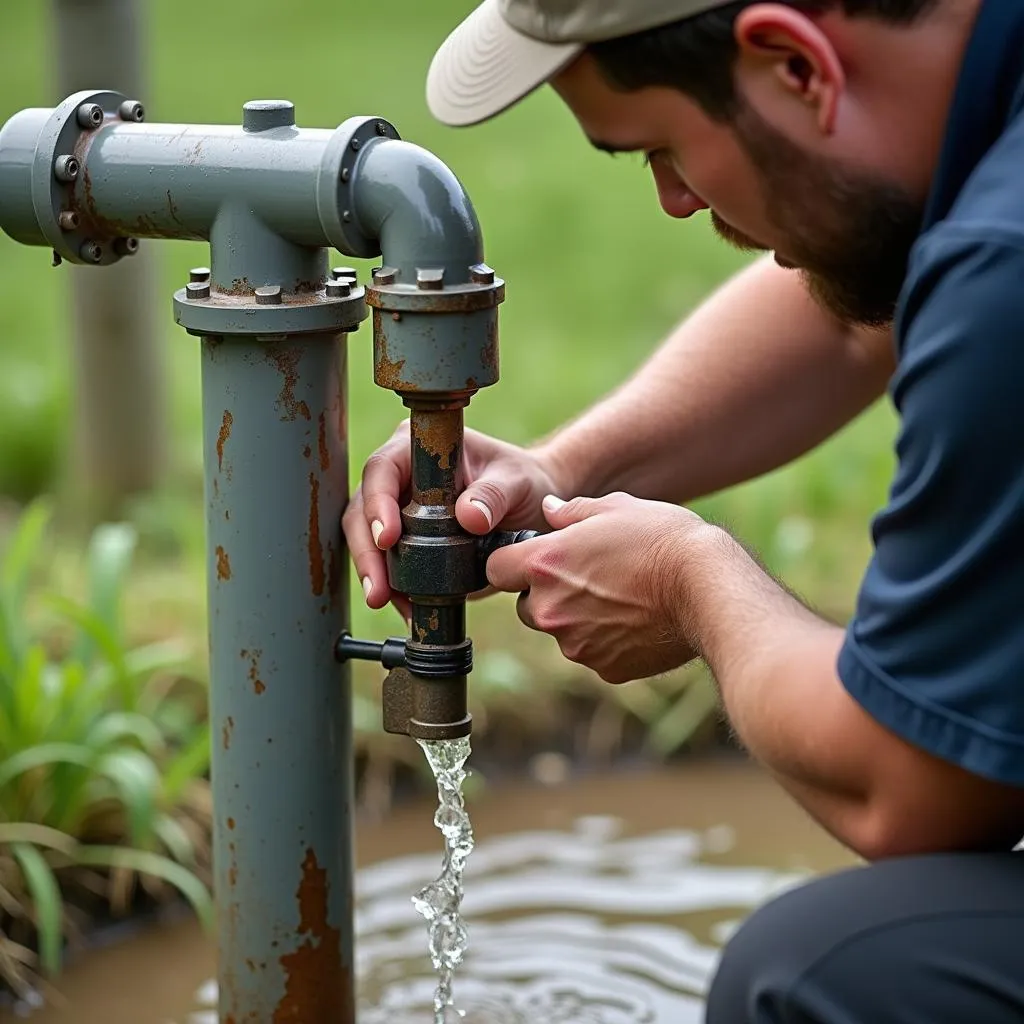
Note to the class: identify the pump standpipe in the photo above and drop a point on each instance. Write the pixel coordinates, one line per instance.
(88, 179)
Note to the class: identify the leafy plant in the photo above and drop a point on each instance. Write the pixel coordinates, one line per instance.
(102, 761)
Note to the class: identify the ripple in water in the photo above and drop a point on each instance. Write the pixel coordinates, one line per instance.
(577, 926)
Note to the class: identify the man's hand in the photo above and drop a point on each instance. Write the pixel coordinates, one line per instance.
(609, 583)
(504, 487)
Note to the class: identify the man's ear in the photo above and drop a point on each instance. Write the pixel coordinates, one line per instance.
(790, 46)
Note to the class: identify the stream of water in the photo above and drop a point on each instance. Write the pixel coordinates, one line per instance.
(598, 900)
(440, 902)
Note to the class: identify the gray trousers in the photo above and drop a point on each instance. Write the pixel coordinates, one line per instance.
(917, 940)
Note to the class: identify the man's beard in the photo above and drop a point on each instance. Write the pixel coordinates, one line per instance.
(849, 233)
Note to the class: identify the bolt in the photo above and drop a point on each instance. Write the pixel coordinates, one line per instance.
(382, 128)
(90, 115)
(91, 252)
(132, 110)
(384, 275)
(481, 274)
(347, 216)
(269, 296)
(340, 289)
(68, 220)
(430, 280)
(198, 289)
(126, 246)
(344, 174)
(66, 168)
(199, 274)
(339, 272)
(356, 144)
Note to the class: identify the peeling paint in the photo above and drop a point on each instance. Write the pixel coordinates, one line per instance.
(229, 725)
(287, 362)
(316, 551)
(325, 455)
(223, 564)
(254, 671)
(318, 986)
(222, 437)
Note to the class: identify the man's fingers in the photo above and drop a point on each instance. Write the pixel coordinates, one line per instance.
(506, 568)
(367, 558)
(486, 501)
(385, 476)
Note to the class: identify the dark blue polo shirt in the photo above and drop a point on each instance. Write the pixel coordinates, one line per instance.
(935, 651)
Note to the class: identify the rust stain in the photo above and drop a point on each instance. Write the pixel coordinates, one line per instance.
(489, 354)
(173, 210)
(434, 621)
(333, 570)
(229, 725)
(287, 362)
(254, 671)
(421, 633)
(307, 451)
(438, 433)
(317, 984)
(316, 551)
(432, 496)
(325, 455)
(233, 868)
(222, 437)
(231, 824)
(223, 564)
(386, 372)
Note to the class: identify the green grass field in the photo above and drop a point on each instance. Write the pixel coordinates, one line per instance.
(596, 275)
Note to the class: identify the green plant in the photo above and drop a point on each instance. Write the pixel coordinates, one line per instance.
(102, 757)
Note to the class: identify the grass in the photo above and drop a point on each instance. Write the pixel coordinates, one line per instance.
(596, 276)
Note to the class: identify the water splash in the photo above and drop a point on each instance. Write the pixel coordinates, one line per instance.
(440, 902)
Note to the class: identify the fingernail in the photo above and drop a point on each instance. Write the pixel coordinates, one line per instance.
(552, 503)
(483, 508)
(376, 528)
(367, 587)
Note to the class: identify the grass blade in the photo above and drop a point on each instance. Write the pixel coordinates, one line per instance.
(137, 781)
(46, 899)
(156, 865)
(191, 762)
(175, 838)
(45, 754)
(110, 553)
(122, 725)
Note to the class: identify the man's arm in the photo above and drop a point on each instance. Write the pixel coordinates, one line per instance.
(775, 664)
(756, 377)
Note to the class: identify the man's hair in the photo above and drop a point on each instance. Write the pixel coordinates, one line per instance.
(696, 55)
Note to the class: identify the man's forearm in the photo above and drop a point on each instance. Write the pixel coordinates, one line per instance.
(754, 378)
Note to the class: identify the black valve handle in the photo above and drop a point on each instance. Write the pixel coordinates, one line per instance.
(391, 653)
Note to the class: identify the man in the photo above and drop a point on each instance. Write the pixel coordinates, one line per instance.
(876, 149)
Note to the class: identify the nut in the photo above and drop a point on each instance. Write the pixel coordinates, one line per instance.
(197, 274)
(126, 246)
(481, 274)
(344, 272)
(269, 296)
(91, 252)
(198, 290)
(340, 289)
(430, 280)
(384, 276)
(131, 110)
(68, 220)
(66, 168)
(89, 115)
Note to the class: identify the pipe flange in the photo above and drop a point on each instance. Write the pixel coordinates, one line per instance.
(60, 183)
(266, 312)
(335, 180)
(460, 298)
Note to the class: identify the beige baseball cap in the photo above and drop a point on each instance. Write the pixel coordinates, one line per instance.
(507, 48)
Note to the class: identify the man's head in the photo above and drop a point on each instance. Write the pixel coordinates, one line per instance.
(809, 127)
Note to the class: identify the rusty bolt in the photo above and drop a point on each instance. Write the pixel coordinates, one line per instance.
(382, 128)
(68, 220)
(340, 289)
(199, 274)
(91, 252)
(481, 274)
(66, 168)
(356, 144)
(198, 289)
(126, 246)
(90, 115)
(430, 280)
(384, 275)
(339, 272)
(132, 110)
(269, 296)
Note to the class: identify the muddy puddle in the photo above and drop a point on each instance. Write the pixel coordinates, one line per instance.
(603, 900)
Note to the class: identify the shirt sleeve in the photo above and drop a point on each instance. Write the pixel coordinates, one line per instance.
(935, 651)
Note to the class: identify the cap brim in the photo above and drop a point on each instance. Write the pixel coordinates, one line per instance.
(485, 66)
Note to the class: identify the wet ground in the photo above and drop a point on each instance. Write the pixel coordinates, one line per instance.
(603, 900)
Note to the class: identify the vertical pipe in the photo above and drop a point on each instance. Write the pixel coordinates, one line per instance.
(276, 480)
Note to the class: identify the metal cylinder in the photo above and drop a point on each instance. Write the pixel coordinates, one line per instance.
(276, 482)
